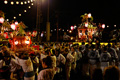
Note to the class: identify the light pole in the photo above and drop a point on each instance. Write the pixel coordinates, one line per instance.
(38, 18)
(48, 25)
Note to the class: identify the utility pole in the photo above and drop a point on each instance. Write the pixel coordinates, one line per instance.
(48, 26)
(57, 26)
(38, 18)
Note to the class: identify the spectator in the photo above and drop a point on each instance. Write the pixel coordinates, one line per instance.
(48, 72)
(97, 74)
(111, 73)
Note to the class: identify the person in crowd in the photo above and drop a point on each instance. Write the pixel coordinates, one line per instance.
(25, 62)
(48, 72)
(93, 58)
(105, 58)
(60, 59)
(79, 57)
(35, 62)
(2, 62)
(111, 73)
(113, 53)
(97, 74)
(69, 60)
(84, 61)
(83, 46)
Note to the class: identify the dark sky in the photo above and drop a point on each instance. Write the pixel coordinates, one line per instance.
(68, 11)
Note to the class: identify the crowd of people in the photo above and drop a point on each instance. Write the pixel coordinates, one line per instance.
(61, 61)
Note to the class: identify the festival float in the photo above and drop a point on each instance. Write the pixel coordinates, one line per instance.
(15, 34)
(4, 27)
(87, 28)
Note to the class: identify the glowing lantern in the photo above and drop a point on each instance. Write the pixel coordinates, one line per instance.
(29, 7)
(28, 1)
(27, 42)
(5, 2)
(1, 19)
(25, 11)
(103, 26)
(75, 27)
(7, 19)
(19, 14)
(12, 2)
(32, 4)
(70, 31)
(34, 33)
(86, 24)
(25, 2)
(13, 26)
(17, 2)
(21, 3)
(16, 23)
(72, 28)
(16, 42)
(89, 15)
(42, 34)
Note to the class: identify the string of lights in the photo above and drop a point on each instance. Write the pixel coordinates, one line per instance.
(24, 11)
(19, 2)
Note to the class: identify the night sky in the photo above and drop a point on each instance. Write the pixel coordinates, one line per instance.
(68, 12)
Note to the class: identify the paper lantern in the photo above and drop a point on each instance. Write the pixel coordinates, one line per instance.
(34, 33)
(13, 26)
(1, 19)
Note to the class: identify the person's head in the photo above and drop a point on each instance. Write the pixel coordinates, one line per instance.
(4, 48)
(32, 55)
(47, 62)
(80, 48)
(57, 52)
(105, 48)
(83, 43)
(93, 46)
(47, 52)
(72, 49)
(109, 45)
(97, 74)
(24, 55)
(111, 73)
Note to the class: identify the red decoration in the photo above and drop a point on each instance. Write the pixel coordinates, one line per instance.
(6, 35)
(36, 47)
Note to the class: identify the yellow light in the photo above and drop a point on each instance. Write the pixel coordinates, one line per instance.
(19, 14)
(32, 4)
(21, 3)
(5, 2)
(25, 11)
(12, 2)
(70, 31)
(17, 2)
(28, 1)
(71, 38)
(29, 6)
(31, 0)
(14, 17)
(25, 2)
(7, 19)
